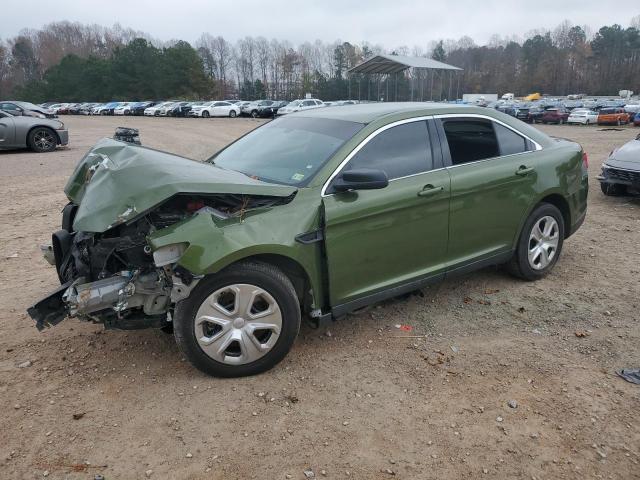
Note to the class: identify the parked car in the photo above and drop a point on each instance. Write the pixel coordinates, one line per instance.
(555, 115)
(253, 109)
(299, 105)
(154, 110)
(583, 117)
(317, 213)
(18, 130)
(613, 116)
(26, 108)
(215, 109)
(636, 120)
(124, 108)
(138, 108)
(178, 109)
(262, 108)
(166, 108)
(106, 109)
(621, 171)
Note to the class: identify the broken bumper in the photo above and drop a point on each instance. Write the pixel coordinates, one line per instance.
(51, 310)
(620, 176)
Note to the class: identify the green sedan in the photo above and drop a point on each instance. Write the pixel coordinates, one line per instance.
(315, 214)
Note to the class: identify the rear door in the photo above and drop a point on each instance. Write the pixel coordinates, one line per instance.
(7, 130)
(492, 172)
(378, 239)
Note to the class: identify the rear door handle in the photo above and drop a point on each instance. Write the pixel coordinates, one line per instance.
(429, 190)
(522, 171)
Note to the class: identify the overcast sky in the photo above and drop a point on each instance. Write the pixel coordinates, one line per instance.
(390, 23)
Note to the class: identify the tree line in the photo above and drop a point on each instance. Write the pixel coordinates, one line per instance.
(67, 61)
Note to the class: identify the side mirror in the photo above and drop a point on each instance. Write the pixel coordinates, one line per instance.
(360, 179)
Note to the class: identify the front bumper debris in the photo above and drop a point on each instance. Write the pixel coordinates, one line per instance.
(51, 310)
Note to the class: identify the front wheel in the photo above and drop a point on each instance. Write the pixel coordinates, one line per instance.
(42, 140)
(240, 321)
(233, 114)
(540, 243)
(205, 114)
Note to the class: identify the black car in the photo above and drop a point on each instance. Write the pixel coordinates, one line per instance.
(267, 108)
(522, 113)
(180, 109)
(138, 108)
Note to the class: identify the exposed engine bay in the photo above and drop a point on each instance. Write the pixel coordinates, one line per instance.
(116, 279)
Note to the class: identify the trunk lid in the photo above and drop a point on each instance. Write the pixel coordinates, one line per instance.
(115, 182)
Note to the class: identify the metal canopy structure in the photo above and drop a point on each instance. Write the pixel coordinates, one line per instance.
(386, 64)
(385, 68)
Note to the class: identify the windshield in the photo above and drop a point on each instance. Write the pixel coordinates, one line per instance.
(295, 103)
(287, 150)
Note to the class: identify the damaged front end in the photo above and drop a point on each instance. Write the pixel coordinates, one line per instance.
(109, 271)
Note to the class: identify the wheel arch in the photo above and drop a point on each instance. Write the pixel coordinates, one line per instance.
(557, 200)
(31, 129)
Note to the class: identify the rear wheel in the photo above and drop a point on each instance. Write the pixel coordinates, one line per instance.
(540, 243)
(42, 139)
(254, 113)
(241, 321)
(613, 189)
(233, 114)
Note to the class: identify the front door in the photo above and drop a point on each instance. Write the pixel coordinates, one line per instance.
(493, 174)
(379, 239)
(7, 130)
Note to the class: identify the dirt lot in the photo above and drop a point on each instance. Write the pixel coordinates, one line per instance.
(358, 401)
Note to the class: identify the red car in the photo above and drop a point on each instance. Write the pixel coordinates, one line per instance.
(555, 115)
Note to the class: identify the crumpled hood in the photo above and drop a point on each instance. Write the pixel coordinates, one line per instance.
(116, 182)
(626, 157)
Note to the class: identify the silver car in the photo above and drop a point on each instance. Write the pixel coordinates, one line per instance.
(38, 134)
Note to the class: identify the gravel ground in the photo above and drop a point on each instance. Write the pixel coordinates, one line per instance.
(361, 400)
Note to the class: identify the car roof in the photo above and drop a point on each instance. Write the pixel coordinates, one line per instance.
(368, 112)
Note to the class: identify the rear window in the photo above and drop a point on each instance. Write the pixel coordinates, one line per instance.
(608, 111)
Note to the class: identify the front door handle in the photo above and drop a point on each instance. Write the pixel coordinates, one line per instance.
(522, 171)
(430, 190)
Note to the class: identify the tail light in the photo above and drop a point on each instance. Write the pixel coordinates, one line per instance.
(585, 160)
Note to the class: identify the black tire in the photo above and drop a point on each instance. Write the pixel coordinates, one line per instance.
(233, 114)
(265, 276)
(205, 114)
(254, 114)
(42, 139)
(613, 189)
(519, 265)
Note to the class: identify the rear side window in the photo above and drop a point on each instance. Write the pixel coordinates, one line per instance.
(510, 142)
(398, 151)
(470, 140)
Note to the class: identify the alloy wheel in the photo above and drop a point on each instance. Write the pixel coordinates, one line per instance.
(238, 324)
(43, 139)
(543, 242)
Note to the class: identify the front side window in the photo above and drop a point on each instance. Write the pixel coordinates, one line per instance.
(287, 150)
(398, 151)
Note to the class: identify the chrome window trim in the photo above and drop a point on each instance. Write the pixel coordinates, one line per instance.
(420, 119)
(367, 140)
